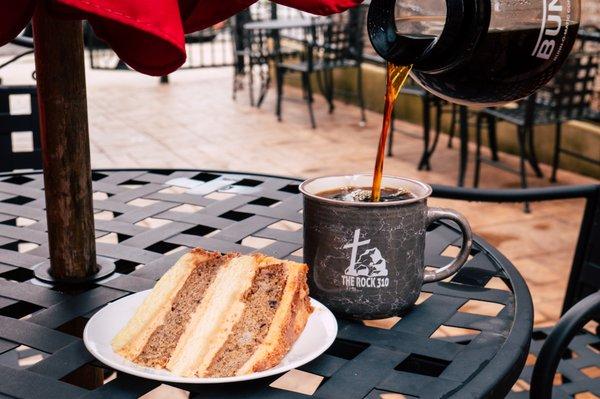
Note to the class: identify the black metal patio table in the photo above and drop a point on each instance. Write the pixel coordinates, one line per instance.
(146, 219)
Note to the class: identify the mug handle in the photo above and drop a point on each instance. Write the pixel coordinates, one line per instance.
(434, 214)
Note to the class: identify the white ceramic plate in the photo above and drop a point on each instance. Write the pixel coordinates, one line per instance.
(318, 335)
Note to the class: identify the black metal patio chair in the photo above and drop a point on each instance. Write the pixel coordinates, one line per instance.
(578, 348)
(20, 146)
(567, 97)
(255, 50)
(567, 348)
(327, 47)
(441, 107)
(588, 40)
(250, 50)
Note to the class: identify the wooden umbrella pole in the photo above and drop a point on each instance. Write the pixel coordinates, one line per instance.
(60, 76)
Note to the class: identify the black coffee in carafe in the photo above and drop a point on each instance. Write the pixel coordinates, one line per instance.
(476, 52)
(502, 69)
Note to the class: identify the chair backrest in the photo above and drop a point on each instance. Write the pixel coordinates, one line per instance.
(259, 47)
(571, 91)
(252, 43)
(585, 271)
(588, 39)
(237, 35)
(20, 146)
(343, 38)
(569, 348)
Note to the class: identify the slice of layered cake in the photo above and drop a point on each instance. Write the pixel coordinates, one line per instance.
(216, 315)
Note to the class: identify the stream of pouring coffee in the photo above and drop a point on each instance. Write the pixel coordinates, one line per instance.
(396, 76)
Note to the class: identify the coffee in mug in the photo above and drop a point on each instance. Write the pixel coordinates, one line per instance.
(364, 194)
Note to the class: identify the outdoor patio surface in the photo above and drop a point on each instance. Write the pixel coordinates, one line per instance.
(193, 122)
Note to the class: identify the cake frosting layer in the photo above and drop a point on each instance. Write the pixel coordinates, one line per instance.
(219, 315)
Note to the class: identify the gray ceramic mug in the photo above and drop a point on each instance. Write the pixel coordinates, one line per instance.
(366, 259)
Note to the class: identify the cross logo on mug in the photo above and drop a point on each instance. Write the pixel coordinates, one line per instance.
(367, 270)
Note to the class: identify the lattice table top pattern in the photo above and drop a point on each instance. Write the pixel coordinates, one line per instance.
(145, 220)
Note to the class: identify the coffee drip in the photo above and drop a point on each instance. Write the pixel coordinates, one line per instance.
(395, 79)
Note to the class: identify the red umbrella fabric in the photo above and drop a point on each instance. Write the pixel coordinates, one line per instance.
(147, 34)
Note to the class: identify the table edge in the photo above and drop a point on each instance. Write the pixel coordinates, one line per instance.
(520, 332)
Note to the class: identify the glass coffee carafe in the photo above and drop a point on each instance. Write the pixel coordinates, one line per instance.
(476, 52)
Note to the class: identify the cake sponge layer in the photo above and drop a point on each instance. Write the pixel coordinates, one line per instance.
(261, 303)
(288, 322)
(130, 341)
